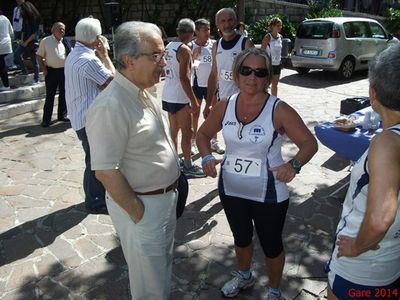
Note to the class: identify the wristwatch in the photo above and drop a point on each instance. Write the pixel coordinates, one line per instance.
(296, 165)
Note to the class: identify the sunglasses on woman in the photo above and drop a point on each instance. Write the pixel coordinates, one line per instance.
(259, 72)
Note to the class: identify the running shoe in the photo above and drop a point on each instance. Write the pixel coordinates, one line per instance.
(237, 284)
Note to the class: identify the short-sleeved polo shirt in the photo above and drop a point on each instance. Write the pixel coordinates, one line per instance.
(53, 51)
(127, 129)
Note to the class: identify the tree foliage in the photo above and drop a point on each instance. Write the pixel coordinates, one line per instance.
(392, 21)
(258, 30)
(323, 9)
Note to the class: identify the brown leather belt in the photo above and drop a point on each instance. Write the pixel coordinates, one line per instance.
(160, 191)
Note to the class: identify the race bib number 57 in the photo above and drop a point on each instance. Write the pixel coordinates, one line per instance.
(245, 166)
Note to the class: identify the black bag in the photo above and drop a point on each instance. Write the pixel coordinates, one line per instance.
(350, 105)
(183, 191)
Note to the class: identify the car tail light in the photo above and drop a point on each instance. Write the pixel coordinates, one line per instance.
(335, 32)
(332, 54)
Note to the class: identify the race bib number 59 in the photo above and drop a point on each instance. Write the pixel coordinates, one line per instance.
(245, 166)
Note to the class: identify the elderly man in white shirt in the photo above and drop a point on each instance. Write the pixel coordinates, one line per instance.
(135, 158)
(51, 55)
(88, 70)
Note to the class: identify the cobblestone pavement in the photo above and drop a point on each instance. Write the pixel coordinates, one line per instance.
(51, 249)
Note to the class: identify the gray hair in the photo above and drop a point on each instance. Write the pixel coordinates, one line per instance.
(225, 10)
(201, 22)
(383, 71)
(240, 58)
(185, 25)
(87, 30)
(130, 37)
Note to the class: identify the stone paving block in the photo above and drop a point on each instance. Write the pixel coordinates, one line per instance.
(94, 227)
(21, 201)
(116, 257)
(49, 289)
(75, 232)
(21, 246)
(90, 275)
(118, 289)
(105, 241)
(53, 192)
(66, 220)
(191, 269)
(6, 209)
(31, 214)
(28, 291)
(21, 274)
(87, 248)
(48, 265)
(65, 253)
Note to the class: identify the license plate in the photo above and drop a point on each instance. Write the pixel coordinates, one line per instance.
(310, 52)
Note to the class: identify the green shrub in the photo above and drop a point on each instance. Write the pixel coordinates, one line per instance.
(323, 9)
(392, 20)
(258, 30)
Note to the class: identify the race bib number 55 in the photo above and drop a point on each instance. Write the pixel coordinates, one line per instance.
(226, 75)
(245, 166)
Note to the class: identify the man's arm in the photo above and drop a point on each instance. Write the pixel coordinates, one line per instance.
(383, 191)
(212, 82)
(102, 54)
(184, 57)
(42, 64)
(118, 187)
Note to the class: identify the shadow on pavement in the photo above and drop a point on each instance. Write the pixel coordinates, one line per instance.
(317, 79)
(19, 242)
(36, 130)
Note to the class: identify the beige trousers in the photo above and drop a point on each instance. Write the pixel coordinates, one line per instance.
(148, 244)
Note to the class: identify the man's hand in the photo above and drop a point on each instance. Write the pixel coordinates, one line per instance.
(138, 212)
(101, 47)
(206, 111)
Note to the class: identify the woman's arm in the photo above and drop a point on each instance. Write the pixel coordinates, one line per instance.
(287, 121)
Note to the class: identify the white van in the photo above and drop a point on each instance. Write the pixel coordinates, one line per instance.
(338, 44)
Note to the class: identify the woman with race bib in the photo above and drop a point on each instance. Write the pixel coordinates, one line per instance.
(253, 177)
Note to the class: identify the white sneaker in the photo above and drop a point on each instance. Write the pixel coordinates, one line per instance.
(4, 88)
(194, 149)
(272, 296)
(237, 284)
(216, 148)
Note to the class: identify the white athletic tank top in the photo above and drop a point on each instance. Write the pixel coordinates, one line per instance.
(173, 91)
(224, 60)
(274, 49)
(374, 267)
(204, 69)
(251, 150)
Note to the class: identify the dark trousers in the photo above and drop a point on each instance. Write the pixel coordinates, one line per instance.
(54, 80)
(3, 70)
(94, 190)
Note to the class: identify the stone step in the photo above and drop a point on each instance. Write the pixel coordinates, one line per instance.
(23, 93)
(17, 80)
(18, 107)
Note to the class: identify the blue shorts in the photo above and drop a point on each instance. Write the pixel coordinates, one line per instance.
(172, 108)
(344, 289)
(199, 91)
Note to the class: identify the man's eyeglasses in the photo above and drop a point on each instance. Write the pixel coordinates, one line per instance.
(259, 72)
(156, 56)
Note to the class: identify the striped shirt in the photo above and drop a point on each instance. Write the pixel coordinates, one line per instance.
(84, 73)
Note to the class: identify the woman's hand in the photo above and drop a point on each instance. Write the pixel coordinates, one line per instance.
(210, 167)
(284, 172)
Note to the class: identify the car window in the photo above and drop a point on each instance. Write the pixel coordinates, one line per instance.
(315, 30)
(356, 30)
(377, 31)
